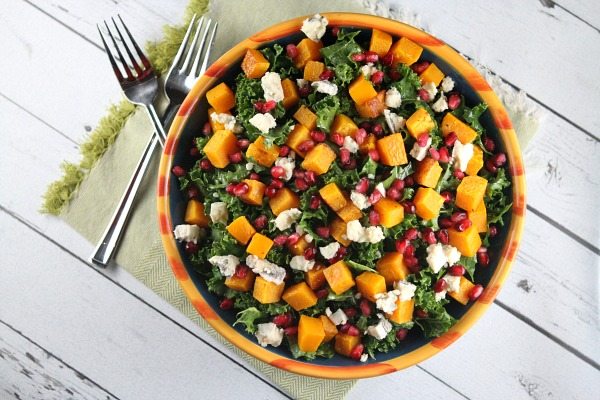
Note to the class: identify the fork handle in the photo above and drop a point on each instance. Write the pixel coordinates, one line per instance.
(158, 125)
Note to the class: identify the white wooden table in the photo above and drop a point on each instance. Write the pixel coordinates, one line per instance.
(70, 331)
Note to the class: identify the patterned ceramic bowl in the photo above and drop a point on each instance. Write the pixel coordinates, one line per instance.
(171, 202)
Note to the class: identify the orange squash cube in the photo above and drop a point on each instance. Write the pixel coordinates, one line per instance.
(337, 228)
(476, 162)
(267, 292)
(403, 312)
(344, 344)
(312, 70)
(329, 328)
(307, 51)
(254, 64)
(467, 242)
(479, 217)
(369, 144)
(391, 150)
(215, 125)
(299, 134)
(300, 296)
(369, 284)
(392, 267)
(464, 132)
(419, 122)
(428, 203)
(261, 153)
(298, 247)
(406, 51)
(470, 192)
(319, 159)
(391, 213)
(241, 229)
(333, 196)
(339, 277)
(373, 107)
(428, 172)
(361, 90)
(343, 125)
(194, 214)
(219, 147)
(310, 333)
(241, 284)
(290, 93)
(462, 295)
(380, 42)
(221, 98)
(306, 117)
(259, 245)
(432, 74)
(254, 196)
(349, 212)
(315, 278)
(283, 200)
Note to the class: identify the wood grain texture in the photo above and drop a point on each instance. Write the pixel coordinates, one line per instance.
(587, 11)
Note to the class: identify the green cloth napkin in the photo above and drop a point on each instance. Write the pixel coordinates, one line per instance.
(140, 252)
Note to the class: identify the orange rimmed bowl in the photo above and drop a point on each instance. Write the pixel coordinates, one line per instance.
(171, 202)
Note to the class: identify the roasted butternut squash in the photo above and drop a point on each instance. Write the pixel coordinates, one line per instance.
(392, 267)
(283, 200)
(339, 277)
(241, 284)
(315, 279)
(299, 134)
(470, 192)
(241, 229)
(476, 162)
(432, 74)
(254, 64)
(300, 296)
(467, 242)
(333, 196)
(219, 147)
(307, 51)
(319, 159)
(290, 93)
(306, 117)
(261, 153)
(215, 125)
(361, 90)
(428, 203)
(420, 122)
(221, 98)
(349, 212)
(369, 144)
(312, 70)
(403, 312)
(462, 296)
(479, 217)
(391, 213)
(373, 107)
(267, 292)
(391, 150)
(369, 284)
(344, 344)
(194, 214)
(380, 42)
(406, 51)
(428, 172)
(310, 333)
(254, 196)
(259, 245)
(464, 132)
(337, 230)
(329, 328)
(298, 247)
(343, 125)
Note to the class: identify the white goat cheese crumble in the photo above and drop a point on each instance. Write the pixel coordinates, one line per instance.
(218, 212)
(406, 289)
(269, 333)
(420, 152)
(380, 330)
(359, 200)
(263, 122)
(393, 121)
(447, 84)
(462, 154)
(187, 233)
(329, 251)
(229, 122)
(325, 87)
(350, 144)
(299, 263)
(439, 255)
(393, 98)
(287, 218)
(271, 84)
(314, 27)
(386, 301)
(337, 318)
(440, 105)
(269, 271)
(431, 90)
(357, 233)
(226, 264)
(288, 164)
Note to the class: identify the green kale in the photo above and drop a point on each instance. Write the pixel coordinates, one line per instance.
(359, 267)
(325, 350)
(448, 181)
(438, 321)
(247, 92)
(279, 134)
(340, 52)
(366, 253)
(279, 61)
(374, 346)
(396, 232)
(279, 255)
(408, 84)
(343, 177)
(223, 243)
(398, 172)
(471, 116)
(248, 318)
(369, 170)
(469, 264)
(496, 200)
(344, 74)
(310, 218)
(326, 109)
(216, 282)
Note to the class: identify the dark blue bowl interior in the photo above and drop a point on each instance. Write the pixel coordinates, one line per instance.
(178, 203)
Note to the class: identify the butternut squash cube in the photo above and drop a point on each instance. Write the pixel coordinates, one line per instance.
(299, 134)
(254, 64)
(392, 267)
(339, 277)
(373, 107)
(406, 51)
(241, 284)
(333, 196)
(369, 284)
(343, 125)
(219, 147)
(476, 162)
(221, 98)
(462, 295)
(329, 328)
(310, 333)
(450, 123)
(194, 214)
(428, 203)
(298, 247)
(470, 192)
(261, 153)
(428, 172)
(349, 212)
(215, 125)
(306, 117)
(467, 242)
(361, 90)
(290, 93)
(300, 296)
(312, 70)
(254, 196)
(307, 51)
(380, 42)
(319, 159)
(391, 213)
(283, 200)
(419, 122)
(479, 217)
(241, 229)
(403, 312)
(337, 229)
(259, 245)
(267, 292)
(369, 144)
(315, 278)
(391, 150)
(432, 74)
(344, 344)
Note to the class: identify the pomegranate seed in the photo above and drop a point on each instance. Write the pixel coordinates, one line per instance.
(241, 189)
(310, 253)
(410, 250)
(193, 192)
(429, 236)
(284, 151)
(377, 77)
(327, 75)
(458, 216)
(450, 139)
(409, 207)
(443, 236)
(304, 91)
(178, 171)
(423, 139)
(191, 248)
(409, 181)
(423, 94)
(420, 313)
(489, 144)
(317, 136)
(291, 330)
(344, 156)
(374, 217)
(489, 165)
(358, 57)
(280, 240)
(315, 202)
(454, 101)
(499, 159)
(440, 285)
(236, 157)
(342, 251)
(420, 66)
(362, 186)
(401, 245)
(375, 196)
(371, 57)
(482, 249)
(365, 307)
(337, 139)
(483, 259)
(401, 334)
(323, 231)
(306, 146)
(350, 312)
(243, 143)
(475, 292)
(458, 174)
(310, 177)
(365, 125)
(412, 263)
(335, 30)
(344, 328)
(444, 154)
(269, 105)
(293, 239)
(205, 164)
(241, 271)
(229, 188)
(322, 293)
(259, 106)
(301, 184)
(360, 135)
(194, 152)
(388, 59)
(456, 270)
(277, 172)
(357, 352)
(374, 154)
(434, 154)
(260, 222)
(448, 196)
(350, 164)
(395, 75)
(377, 129)
(254, 176)
(282, 320)
(463, 225)
(411, 234)
(270, 191)
(445, 222)
(291, 50)
(226, 304)
(393, 193)
(398, 184)
(493, 230)
(206, 129)
(276, 183)
(353, 331)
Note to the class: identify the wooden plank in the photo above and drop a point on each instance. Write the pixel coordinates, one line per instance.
(29, 372)
(588, 11)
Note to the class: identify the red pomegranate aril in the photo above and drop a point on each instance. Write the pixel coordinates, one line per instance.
(453, 101)
(489, 144)
(450, 139)
(310, 253)
(290, 330)
(409, 181)
(445, 222)
(335, 30)
(423, 139)
(423, 94)
(304, 91)
(344, 327)
(310, 177)
(306, 146)
(358, 57)
(322, 293)
(261, 222)
(301, 184)
(463, 225)
(482, 249)
(291, 50)
(357, 352)
(493, 230)
(377, 129)
(243, 143)
(374, 154)
(395, 75)
(205, 164)
(401, 334)
(420, 66)
(293, 239)
(230, 187)
(241, 271)
(259, 106)
(350, 165)
(440, 285)
(458, 216)
(236, 157)
(499, 159)
(342, 251)
(193, 192)
(323, 231)
(412, 263)
(280, 240)
(365, 307)
(371, 57)
(410, 250)
(178, 171)
(433, 153)
(448, 196)
(344, 156)
(337, 139)
(327, 75)
(377, 77)
(420, 313)
(269, 105)
(315, 202)
(362, 186)
(456, 270)
(393, 193)
(475, 292)
(254, 176)
(270, 191)
(409, 207)
(206, 129)
(398, 184)
(489, 165)
(298, 173)
(443, 237)
(366, 125)
(350, 312)
(282, 320)
(353, 331)
(374, 218)
(194, 152)
(277, 172)
(318, 136)
(429, 236)
(191, 248)
(483, 259)
(241, 189)
(411, 234)
(444, 154)
(458, 174)
(375, 196)
(360, 135)
(388, 59)
(226, 304)
(401, 245)
(284, 151)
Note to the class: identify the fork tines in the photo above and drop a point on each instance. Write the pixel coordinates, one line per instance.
(197, 50)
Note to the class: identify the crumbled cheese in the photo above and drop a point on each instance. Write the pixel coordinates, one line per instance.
(440, 105)
(420, 152)
(218, 212)
(431, 90)
(187, 233)
(359, 200)
(269, 271)
(357, 233)
(440, 295)
(374, 234)
(337, 318)
(367, 70)
(381, 330)
(308, 238)
(393, 121)
(447, 84)
(299, 263)
(452, 282)
(249, 166)
(364, 357)
(406, 289)
(386, 301)
(288, 164)
(462, 154)
(325, 87)
(314, 27)
(452, 254)
(350, 144)
(299, 230)
(263, 122)
(393, 98)
(269, 333)
(329, 251)
(229, 122)
(287, 218)
(380, 188)
(301, 82)
(271, 84)
(226, 264)
(439, 255)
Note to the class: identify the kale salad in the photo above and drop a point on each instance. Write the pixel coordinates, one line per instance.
(342, 194)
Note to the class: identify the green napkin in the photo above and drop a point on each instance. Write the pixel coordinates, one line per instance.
(140, 251)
